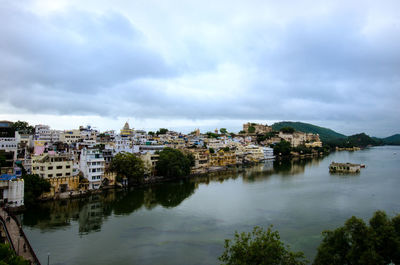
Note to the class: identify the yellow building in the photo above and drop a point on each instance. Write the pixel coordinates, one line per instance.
(126, 131)
(150, 162)
(222, 158)
(71, 136)
(58, 170)
(201, 160)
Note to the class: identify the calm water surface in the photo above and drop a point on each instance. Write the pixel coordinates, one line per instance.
(186, 222)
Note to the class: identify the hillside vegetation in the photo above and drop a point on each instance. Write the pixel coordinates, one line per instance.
(392, 140)
(325, 134)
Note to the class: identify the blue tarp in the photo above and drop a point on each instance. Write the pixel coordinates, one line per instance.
(7, 177)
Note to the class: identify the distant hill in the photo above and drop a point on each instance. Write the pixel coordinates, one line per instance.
(392, 140)
(325, 134)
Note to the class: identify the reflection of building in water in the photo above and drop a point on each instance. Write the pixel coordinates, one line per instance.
(91, 215)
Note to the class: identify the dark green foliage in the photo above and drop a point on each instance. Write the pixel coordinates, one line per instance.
(128, 165)
(172, 163)
(282, 148)
(211, 150)
(226, 149)
(263, 137)
(392, 140)
(151, 133)
(302, 149)
(251, 129)
(358, 243)
(325, 134)
(34, 186)
(162, 131)
(242, 132)
(287, 129)
(259, 247)
(211, 135)
(223, 130)
(8, 257)
(23, 127)
(359, 140)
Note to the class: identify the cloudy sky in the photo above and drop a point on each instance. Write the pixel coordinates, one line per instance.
(188, 64)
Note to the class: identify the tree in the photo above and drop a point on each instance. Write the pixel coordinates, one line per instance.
(172, 163)
(251, 129)
(34, 186)
(287, 130)
(211, 135)
(7, 256)
(128, 165)
(282, 148)
(259, 247)
(358, 243)
(226, 149)
(162, 131)
(23, 127)
(151, 133)
(223, 130)
(211, 150)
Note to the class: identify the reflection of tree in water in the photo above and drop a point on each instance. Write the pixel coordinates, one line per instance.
(90, 212)
(294, 166)
(172, 194)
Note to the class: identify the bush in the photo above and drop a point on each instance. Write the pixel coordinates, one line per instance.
(172, 163)
(358, 243)
(259, 247)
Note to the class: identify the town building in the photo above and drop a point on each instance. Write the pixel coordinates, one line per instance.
(58, 169)
(11, 191)
(254, 128)
(92, 165)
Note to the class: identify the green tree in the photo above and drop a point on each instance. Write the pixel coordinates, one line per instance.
(259, 247)
(211, 135)
(34, 186)
(358, 243)
(223, 130)
(23, 127)
(211, 150)
(172, 163)
(8, 257)
(226, 149)
(162, 131)
(251, 129)
(151, 133)
(287, 130)
(128, 165)
(282, 148)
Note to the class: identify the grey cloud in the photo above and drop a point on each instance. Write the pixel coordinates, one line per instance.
(315, 68)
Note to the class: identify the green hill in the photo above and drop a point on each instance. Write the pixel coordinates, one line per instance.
(392, 140)
(325, 134)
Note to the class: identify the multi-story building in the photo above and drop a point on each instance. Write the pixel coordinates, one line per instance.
(150, 162)
(8, 140)
(58, 169)
(71, 136)
(222, 158)
(45, 134)
(92, 165)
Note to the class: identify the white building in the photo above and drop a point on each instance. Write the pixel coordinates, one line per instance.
(44, 134)
(92, 165)
(11, 190)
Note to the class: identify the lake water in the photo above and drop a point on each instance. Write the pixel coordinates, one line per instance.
(186, 222)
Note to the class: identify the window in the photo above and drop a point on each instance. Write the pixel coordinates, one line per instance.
(67, 174)
(59, 167)
(68, 166)
(50, 175)
(59, 174)
(49, 168)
